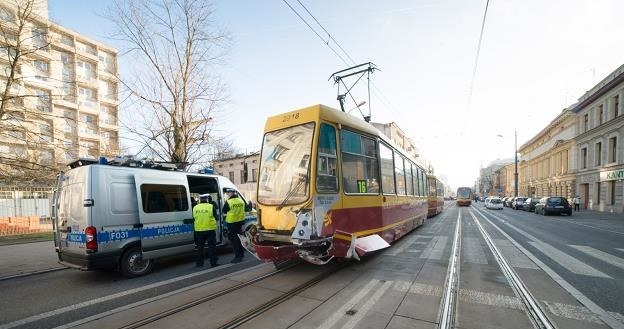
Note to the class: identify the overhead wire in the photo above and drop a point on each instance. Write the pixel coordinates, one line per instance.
(376, 91)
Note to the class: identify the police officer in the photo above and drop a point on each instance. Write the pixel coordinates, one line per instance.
(205, 215)
(234, 210)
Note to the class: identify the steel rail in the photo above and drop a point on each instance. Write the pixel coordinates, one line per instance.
(25, 275)
(253, 313)
(448, 304)
(205, 299)
(532, 307)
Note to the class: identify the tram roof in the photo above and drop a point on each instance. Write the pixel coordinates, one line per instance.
(323, 112)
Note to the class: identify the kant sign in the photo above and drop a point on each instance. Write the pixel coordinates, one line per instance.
(612, 175)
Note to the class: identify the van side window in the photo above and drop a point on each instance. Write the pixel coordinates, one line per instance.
(163, 198)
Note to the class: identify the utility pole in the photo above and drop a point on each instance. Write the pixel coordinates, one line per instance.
(516, 163)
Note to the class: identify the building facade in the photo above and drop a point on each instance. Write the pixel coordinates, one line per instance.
(234, 169)
(547, 167)
(599, 145)
(66, 92)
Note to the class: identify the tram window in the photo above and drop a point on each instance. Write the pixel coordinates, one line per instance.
(399, 172)
(415, 179)
(360, 170)
(326, 178)
(387, 169)
(409, 178)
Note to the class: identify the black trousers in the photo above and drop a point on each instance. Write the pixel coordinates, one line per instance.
(233, 230)
(577, 207)
(202, 238)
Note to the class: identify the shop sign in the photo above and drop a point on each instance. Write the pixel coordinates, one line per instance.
(612, 175)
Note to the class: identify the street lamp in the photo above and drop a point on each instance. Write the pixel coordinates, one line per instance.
(515, 161)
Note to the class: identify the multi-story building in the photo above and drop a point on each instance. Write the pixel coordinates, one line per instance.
(234, 169)
(599, 148)
(396, 134)
(547, 167)
(67, 86)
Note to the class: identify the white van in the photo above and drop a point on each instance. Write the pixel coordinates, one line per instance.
(107, 216)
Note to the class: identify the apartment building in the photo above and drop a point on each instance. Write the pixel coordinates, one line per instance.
(599, 145)
(547, 168)
(234, 169)
(65, 93)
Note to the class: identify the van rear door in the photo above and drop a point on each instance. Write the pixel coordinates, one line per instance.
(165, 213)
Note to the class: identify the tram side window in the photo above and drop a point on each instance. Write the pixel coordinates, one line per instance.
(326, 178)
(163, 198)
(399, 171)
(387, 169)
(416, 174)
(423, 182)
(360, 170)
(409, 177)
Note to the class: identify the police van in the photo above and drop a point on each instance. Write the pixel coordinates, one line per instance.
(125, 215)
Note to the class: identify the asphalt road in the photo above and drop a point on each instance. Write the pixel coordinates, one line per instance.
(585, 249)
(566, 262)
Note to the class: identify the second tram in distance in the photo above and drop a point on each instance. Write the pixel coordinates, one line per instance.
(464, 196)
(332, 185)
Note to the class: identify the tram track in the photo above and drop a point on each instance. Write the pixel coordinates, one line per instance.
(247, 315)
(34, 273)
(532, 307)
(448, 304)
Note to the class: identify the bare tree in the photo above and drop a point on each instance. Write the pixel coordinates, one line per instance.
(26, 129)
(175, 90)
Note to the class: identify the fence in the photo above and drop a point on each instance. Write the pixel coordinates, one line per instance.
(25, 210)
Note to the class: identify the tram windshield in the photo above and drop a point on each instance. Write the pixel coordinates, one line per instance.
(284, 167)
(463, 193)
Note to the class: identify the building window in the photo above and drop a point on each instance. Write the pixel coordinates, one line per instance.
(231, 176)
(598, 193)
(600, 114)
(612, 149)
(254, 174)
(242, 177)
(616, 106)
(43, 101)
(585, 122)
(583, 158)
(598, 154)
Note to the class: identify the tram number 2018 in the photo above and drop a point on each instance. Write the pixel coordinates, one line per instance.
(292, 116)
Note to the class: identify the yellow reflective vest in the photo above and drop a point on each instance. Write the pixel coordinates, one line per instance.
(236, 212)
(204, 218)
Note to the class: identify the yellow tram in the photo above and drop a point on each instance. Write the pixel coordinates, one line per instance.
(331, 185)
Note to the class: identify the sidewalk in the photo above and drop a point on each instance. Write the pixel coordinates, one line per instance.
(26, 258)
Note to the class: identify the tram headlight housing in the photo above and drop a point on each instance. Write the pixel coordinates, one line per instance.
(305, 225)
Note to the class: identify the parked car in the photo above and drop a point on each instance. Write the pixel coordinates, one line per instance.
(529, 204)
(553, 205)
(508, 202)
(517, 202)
(495, 203)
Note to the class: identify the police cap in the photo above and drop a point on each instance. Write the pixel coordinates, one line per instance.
(204, 196)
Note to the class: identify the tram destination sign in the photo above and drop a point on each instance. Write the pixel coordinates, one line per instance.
(612, 175)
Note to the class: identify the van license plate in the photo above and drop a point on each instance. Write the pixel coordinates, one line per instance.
(559, 207)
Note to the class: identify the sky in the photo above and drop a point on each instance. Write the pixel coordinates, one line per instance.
(536, 58)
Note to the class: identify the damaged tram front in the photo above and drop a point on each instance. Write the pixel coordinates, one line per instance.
(320, 189)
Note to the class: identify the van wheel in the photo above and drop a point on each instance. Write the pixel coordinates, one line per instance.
(133, 264)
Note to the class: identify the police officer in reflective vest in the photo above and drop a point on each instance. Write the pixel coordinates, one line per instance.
(205, 215)
(234, 210)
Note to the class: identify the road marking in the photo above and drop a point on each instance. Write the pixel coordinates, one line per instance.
(590, 226)
(366, 307)
(570, 263)
(78, 306)
(620, 249)
(605, 316)
(603, 256)
(473, 251)
(426, 289)
(486, 298)
(572, 312)
(515, 257)
(435, 248)
(349, 305)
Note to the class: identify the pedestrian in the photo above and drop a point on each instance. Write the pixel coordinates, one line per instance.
(234, 212)
(577, 203)
(205, 225)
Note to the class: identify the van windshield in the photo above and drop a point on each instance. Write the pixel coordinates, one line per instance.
(284, 167)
